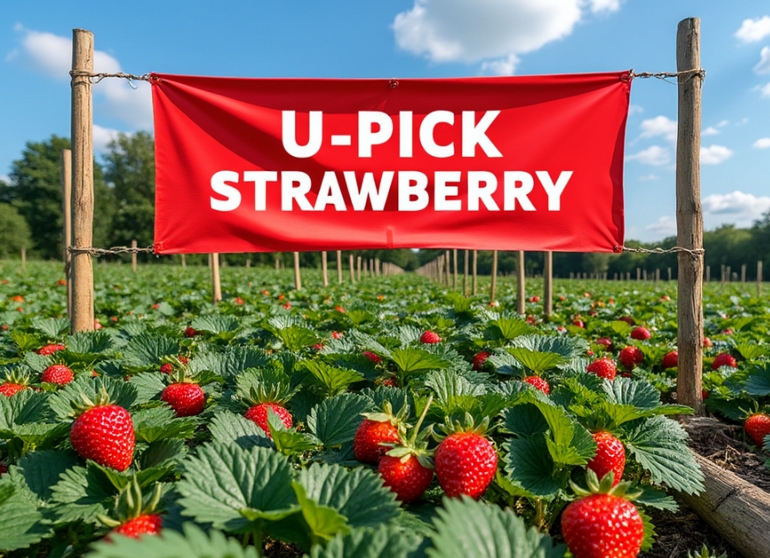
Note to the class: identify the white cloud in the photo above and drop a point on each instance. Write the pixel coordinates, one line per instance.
(763, 66)
(710, 131)
(714, 154)
(659, 126)
(723, 123)
(753, 30)
(103, 136)
(51, 55)
(653, 155)
(663, 227)
(648, 177)
(736, 207)
(448, 30)
(501, 66)
(765, 91)
(762, 143)
(635, 109)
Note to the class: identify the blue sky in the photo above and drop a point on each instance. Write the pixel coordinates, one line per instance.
(420, 38)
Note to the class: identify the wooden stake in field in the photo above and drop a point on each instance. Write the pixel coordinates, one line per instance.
(339, 266)
(454, 262)
(465, 273)
(133, 255)
(475, 272)
(759, 278)
(82, 316)
(520, 283)
(297, 276)
(215, 278)
(351, 268)
(324, 269)
(689, 216)
(66, 181)
(184, 262)
(358, 262)
(493, 284)
(548, 285)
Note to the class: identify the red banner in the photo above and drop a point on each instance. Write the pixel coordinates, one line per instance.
(507, 163)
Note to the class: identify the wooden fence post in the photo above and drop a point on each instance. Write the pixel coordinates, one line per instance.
(339, 266)
(297, 276)
(475, 272)
(215, 277)
(759, 278)
(548, 285)
(493, 283)
(454, 261)
(358, 261)
(465, 273)
(184, 262)
(743, 273)
(82, 317)
(324, 268)
(352, 268)
(520, 283)
(689, 216)
(133, 255)
(66, 181)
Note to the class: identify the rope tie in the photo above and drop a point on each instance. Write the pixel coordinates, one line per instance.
(696, 72)
(96, 78)
(695, 253)
(96, 252)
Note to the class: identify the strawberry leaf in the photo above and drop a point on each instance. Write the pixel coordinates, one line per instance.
(530, 466)
(81, 494)
(469, 528)
(22, 523)
(148, 386)
(228, 428)
(158, 423)
(507, 327)
(332, 380)
(52, 328)
(536, 361)
(90, 343)
(235, 489)
(165, 454)
(413, 360)
(192, 543)
(229, 363)
(383, 542)
(216, 324)
(66, 400)
(41, 470)
(335, 420)
(148, 349)
(322, 522)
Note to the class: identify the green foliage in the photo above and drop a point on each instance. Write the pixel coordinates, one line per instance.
(15, 233)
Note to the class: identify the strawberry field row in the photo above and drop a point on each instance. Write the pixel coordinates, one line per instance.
(490, 422)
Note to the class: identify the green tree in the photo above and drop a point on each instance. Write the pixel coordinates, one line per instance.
(35, 189)
(14, 231)
(129, 167)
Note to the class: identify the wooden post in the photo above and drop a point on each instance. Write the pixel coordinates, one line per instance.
(23, 254)
(66, 181)
(669, 274)
(475, 272)
(215, 279)
(277, 263)
(184, 262)
(743, 273)
(728, 274)
(248, 263)
(339, 266)
(133, 255)
(465, 273)
(657, 276)
(759, 278)
(689, 217)
(548, 285)
(454, 260)
(493, 283)
(447, 264)
(82, 316)
(352, 268)
(297, 275)
(520, 284)
(377, 267)
(708, 274)
(358, 261)
(324, 269)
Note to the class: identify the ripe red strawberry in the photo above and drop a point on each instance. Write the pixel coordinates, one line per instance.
(578, 323)
(49, 349)
(466, 462)
(757, 426)
(610, 456)
(10, 388)
(628, 319)
(707, 342)
(3, 469)
(724, 359)
(190, 332)
(105, 434)
(376, 429)
(538, 383)
(258, 414)
(339, 309)
(373, 357)
(146, 524)
(631, 356)
(390, 382)
(671, 360)
(534, 298)
(57, 374)
(405, 476)
(166, 368)
(602, 523)
(640, 333)
(337, 335)
(603, 367)
(480, 359)
(430, 337)
(187, 399)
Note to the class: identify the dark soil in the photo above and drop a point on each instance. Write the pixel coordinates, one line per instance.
(724, 445)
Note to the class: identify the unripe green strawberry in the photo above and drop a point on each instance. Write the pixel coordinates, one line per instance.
(602, 526)
(610, 456)
(405, 476)
(57, 374)
(258, 414)
(370, 434)
(105, 434)
(757, 426)
(147, 524)
(603, 367)
(185, 398)
(466, 463)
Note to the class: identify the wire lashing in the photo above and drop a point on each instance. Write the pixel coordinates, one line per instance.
(96, 252)
(695, 253)
(96, 78)
(664, 76)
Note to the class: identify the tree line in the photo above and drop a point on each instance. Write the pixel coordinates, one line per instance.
(124, 196)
